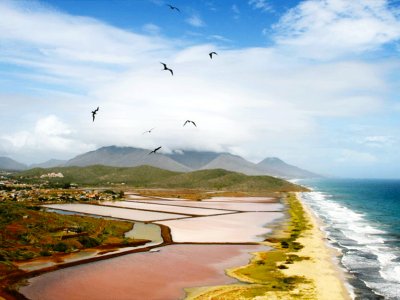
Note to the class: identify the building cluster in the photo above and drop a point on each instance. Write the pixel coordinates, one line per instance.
(37, 193)
(52, 175)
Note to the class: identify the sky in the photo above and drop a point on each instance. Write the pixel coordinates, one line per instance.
(313, 82)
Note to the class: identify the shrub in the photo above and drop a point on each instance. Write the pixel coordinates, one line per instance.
(284, 244)
(60, 247)
(45, 252)
(88, 242)
(282, 267)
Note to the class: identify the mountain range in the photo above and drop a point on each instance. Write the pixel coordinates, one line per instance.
(182, 161)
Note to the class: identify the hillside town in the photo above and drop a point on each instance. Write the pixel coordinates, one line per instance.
(17, 190)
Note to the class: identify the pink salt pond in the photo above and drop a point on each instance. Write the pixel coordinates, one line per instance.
(136, 197)
(242, 199)
(159, 275)
(115, 212)
(163, 207)
(228, 228)
(223, 205)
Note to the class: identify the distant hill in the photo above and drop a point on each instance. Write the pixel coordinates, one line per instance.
(186, 161)
(233, 163)
(49, 164)
(277, 167)
(194, 159)
(126, 157)
(182, 161)
(147, 176)
(7, 163)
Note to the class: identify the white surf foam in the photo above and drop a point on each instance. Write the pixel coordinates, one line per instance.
(364, 242)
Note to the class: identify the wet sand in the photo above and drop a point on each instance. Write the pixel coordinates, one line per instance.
(152, 276)
(230, 228)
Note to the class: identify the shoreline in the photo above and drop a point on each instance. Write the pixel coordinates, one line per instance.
(323, 267)
(302, 268)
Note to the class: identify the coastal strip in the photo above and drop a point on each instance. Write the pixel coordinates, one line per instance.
(321, 268)
(300, 265)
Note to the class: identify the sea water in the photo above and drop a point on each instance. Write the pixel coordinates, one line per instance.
(362, 220)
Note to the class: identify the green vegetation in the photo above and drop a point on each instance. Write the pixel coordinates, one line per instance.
(150, 177)
(26, 232)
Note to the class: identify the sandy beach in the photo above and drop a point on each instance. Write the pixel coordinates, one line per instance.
(321, 268)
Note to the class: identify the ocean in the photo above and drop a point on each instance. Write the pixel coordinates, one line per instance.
(362, 220)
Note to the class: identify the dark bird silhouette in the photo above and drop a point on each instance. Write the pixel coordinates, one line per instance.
(94, 112)
(155, 150)
(166, 68)
(148, 131)
(188, 121)
(173, 7)
(212, 53)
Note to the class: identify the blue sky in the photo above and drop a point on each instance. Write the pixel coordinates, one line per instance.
(314, 82)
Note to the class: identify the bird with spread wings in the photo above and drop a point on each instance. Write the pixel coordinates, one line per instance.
(166, 68)
(94, 112)
(155, 150)
(188, 121)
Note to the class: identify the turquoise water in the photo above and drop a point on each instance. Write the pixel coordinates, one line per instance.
(362, 219)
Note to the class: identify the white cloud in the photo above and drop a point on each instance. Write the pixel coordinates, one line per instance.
(377, 141)
(356, 157)
(219, 38)
(49, 135)
(263, 5)
(70, 46)
(211, 6)
(152, 28)
(195, 21)
(325, 29)
(236, 11)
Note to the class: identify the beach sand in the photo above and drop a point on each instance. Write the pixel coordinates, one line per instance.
(328, 278)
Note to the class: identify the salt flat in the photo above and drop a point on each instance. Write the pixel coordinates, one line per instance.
(232, 206)
(229, 228)
(115, 212)
(164, 207)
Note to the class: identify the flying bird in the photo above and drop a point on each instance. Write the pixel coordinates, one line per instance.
(188, 121)
(166, 68)
(148, 131)
(94, 112)
(173, 7)
(212, 53)
(155, 150)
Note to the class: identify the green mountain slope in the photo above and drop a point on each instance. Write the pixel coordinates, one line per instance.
(146, 176)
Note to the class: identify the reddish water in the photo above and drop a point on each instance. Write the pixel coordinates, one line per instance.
(149, 276)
